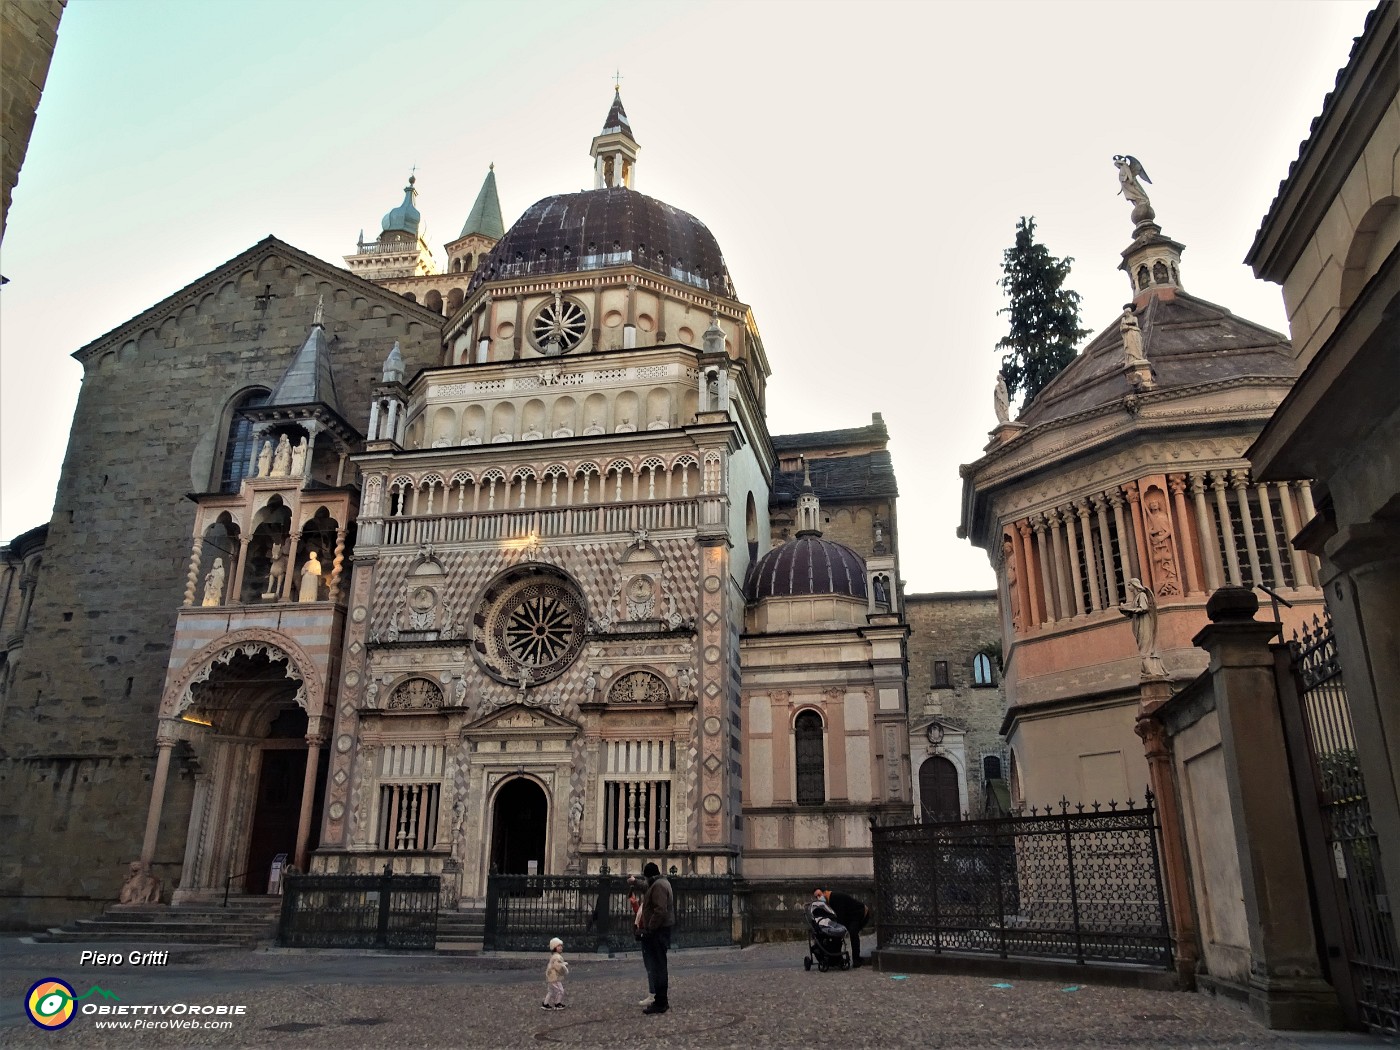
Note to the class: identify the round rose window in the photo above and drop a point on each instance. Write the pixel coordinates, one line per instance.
(532, 626)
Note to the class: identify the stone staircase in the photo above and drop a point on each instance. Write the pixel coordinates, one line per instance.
(247, 922)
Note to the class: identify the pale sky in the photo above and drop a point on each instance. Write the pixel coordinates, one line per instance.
(863, 166)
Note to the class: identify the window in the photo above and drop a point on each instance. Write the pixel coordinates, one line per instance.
(811, 762)
(410, 793)
(940, 675)
(637, 794)
(982, 669)
(991, 767)
(238, 448)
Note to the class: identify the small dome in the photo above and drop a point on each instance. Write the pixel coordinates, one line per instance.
(608, 227)
(404, 218)
(807, 565)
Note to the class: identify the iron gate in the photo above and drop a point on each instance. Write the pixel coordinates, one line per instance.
(1072, 882)
(359, 911)
(1343, 853)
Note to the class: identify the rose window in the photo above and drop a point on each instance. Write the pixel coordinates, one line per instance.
(558, 326)
(533, 627)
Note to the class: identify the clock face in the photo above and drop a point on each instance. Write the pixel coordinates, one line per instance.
(641, 589)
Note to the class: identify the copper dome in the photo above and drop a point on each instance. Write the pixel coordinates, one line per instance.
(807, 565)
(593, 229)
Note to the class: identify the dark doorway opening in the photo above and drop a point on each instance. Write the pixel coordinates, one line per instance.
(518, 825)
(278, 802)
(938, 790)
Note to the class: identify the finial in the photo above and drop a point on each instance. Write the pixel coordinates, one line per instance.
(1130, 170)
(617, 81)
(320, 308)
(493, 165)
(806, 475)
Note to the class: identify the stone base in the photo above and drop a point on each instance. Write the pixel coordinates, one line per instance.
(1306, 1003)
(1003, 433)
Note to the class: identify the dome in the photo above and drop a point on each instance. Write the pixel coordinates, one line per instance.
(593, 229)
(807, 565)
(404, 218)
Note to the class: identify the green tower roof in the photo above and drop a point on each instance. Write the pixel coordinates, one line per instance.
(485, 216)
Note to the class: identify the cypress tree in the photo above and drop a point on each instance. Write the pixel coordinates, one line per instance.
(1044, 314)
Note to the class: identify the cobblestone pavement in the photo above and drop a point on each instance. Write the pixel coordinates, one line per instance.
(758, 997)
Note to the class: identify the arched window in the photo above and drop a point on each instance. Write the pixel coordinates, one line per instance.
(811, 763)
(991, 767)
(238, 447)
(982, 669)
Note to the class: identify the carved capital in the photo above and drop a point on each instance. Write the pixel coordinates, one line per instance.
(1177, 483)
(1131, 491)
(1239, 479)
(1024, 528)
(1115, 500)
(1198, 483)
(1082, 507)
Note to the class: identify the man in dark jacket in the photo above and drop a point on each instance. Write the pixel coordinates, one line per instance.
(657, 916)
(851, 914)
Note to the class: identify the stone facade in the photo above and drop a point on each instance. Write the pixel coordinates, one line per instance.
(28, 32)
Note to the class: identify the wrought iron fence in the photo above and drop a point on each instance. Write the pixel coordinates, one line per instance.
(1074, 882)
(1350, 858)
(590, 913)
(359, 911)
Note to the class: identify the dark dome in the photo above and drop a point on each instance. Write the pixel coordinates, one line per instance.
(608, 227)
(807, 565)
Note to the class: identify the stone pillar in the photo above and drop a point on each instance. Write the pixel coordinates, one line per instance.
(1210, 557)
(1040, 526)
(290, 581)
(374, 419)
(1286, 989)
(1067, 516)
(235, 592)
(1100, 503)
(1090, 566)
(314, 739)
(629, 326)
(1270, 533)
(1239, 481)
(1055, 522)
(1297, 558)
(391, 428)
(1139, 530)
(1222, 512)
(1186, 543)
(165, 742)
(1176, 868)
(1035, 604)
(1126, 551)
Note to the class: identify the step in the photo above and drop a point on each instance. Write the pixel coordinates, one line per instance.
(211, 938)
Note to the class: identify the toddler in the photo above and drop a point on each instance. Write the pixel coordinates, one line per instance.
(554, 973)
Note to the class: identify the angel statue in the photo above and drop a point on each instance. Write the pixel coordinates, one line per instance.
(1130, 170)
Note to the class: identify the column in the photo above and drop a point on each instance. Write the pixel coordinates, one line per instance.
(1290, 529)
(235, 594)
(1185, 540)
(1239, 481)
(374, 419)
(1309, 512)
(629, 326)
(1175, 863)
(1100, 503)
(1227, 528)
(1125, 538)
(1090, 564)
(1210, 556)
(519, 327)
(333, 585)
(314, 740)
(1075, 579)
(1056, 523)
(1040, 525)
(1275, 563)
(288, 590)
(1035, 603)
(165, 742)
(192, 578)
(391, 429)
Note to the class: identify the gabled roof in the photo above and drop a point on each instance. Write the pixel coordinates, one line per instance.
(310, 378)
(485, 217)
(837, 478)
(875, 433)
(211, 281)
(1188, 341)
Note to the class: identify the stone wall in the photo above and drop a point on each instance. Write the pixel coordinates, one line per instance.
(78, 729)
(955, 626)
(28, 32)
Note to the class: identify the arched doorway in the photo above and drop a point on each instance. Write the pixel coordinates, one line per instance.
(518, 827)
(277, 803)
(938, 790)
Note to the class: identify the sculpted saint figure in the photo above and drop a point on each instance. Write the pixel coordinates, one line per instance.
(1159, 538)
(310, 579)
(140, 887)
(1008, 555)
(265, 460)
(299, 459)
(1003, 399)
(1141, 608)
(282, 458)
(1132, 337)
(214, 584)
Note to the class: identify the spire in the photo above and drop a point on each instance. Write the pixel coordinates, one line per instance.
(405, 218)
(809, 508)
(1153, 260)
(393, 366)
(614, 150)
(485, 217)
(309, 379)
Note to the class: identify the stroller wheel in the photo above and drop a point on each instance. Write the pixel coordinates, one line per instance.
(845, 962)
(821, 965)
(807, 962)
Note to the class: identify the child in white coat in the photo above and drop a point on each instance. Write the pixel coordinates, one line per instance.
(554, 973)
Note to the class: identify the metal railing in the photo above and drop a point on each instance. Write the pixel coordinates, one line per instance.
(359, 911)
(591, 914)
(1076, 883)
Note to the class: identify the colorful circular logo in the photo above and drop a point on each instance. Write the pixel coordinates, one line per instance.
(49, 1003)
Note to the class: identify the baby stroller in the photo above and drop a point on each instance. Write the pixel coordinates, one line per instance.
(826, 939)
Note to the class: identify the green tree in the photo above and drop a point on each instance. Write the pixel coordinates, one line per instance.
(1044, 314)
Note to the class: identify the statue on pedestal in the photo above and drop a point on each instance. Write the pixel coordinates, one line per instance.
(299, 459)
(214, 584)
(310, 579)
(1002, 399)
(1130, 170)
(1132, 337)
(265, 460)
(282, 458)
(277, 571)
(1141, 608)
(140, 887)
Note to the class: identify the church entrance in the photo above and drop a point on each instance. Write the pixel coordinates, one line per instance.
(277, 804)
(518, 828)
(938, 790)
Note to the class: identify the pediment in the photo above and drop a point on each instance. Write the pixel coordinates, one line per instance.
(520, 720)
(255, 258)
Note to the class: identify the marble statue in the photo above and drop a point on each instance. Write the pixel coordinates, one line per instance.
(1129, 172)
(310, 579)
(265, 460)
(1008, 558)
(1159, 538)
(1132, 337)
(277, 570)
(282, 458)
(214, 584)
(473, 437)
(575, 816)
(140, 887)
(1141, 608)
(299, 459)
(1003, 399)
